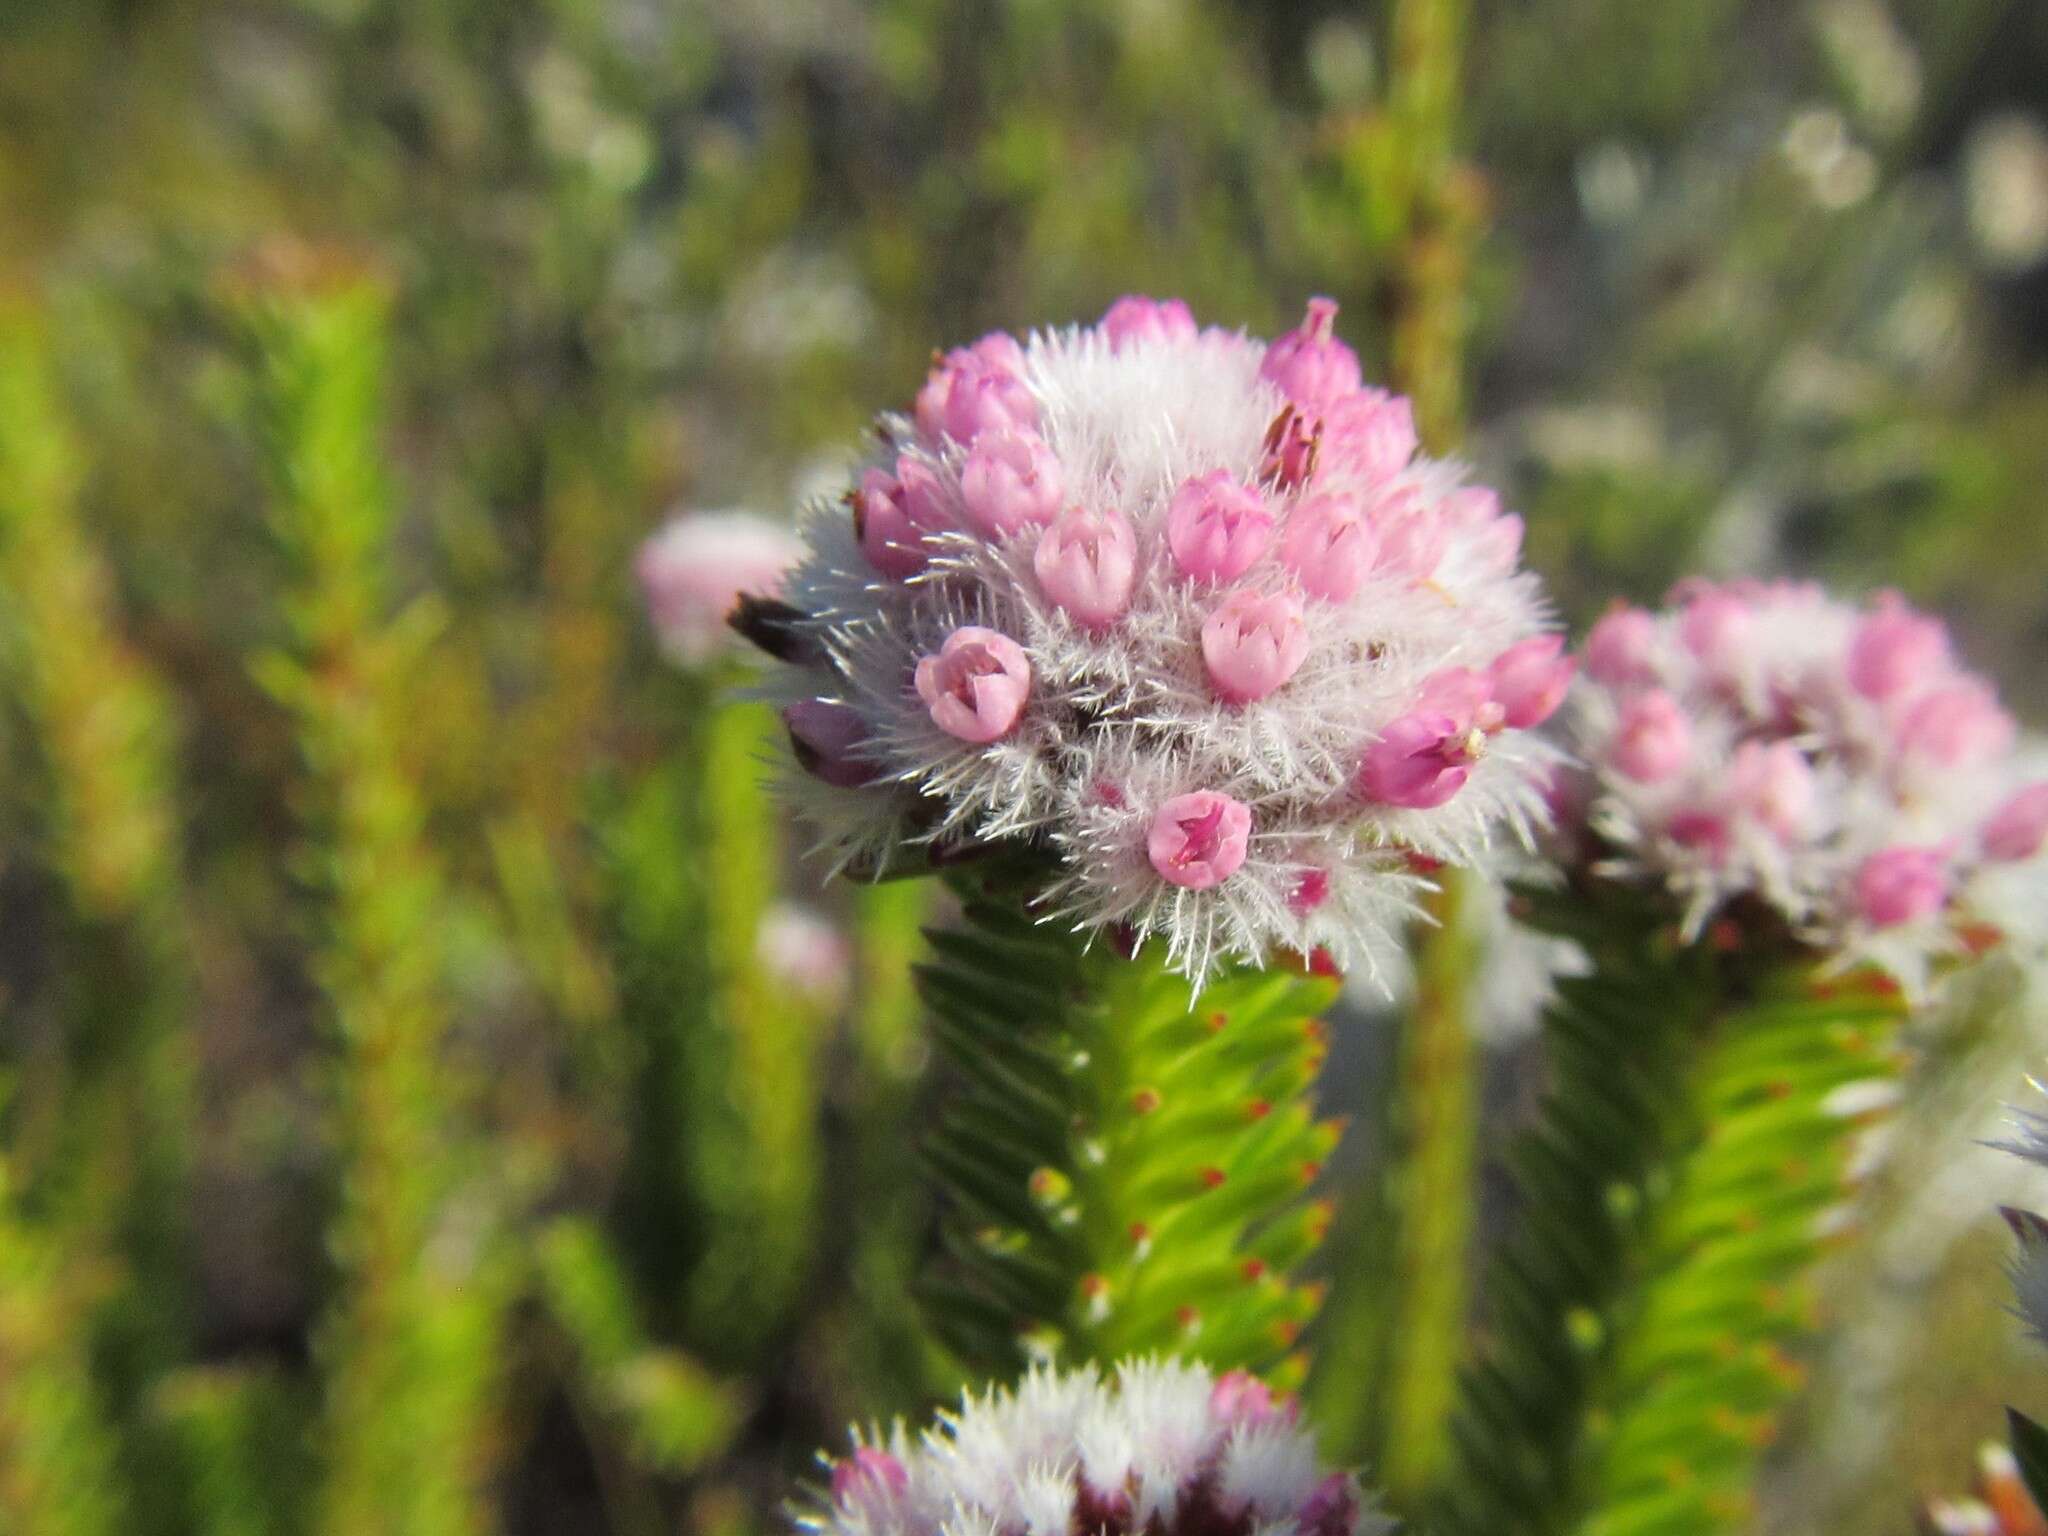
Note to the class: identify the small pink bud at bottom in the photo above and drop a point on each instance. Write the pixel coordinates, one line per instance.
(1902, 885)
(826, 739)
(1310, 891)
(1330, 546)
(975, 687)
(1620, 647)
(1009, 481)
(1252, 644)
(870, 1477)
(1704, 832)
(1653, 740)
(1135, 318)
(1420, 761)
(2018, 828)
(1895, 650)
(1530, 679)
(1199, 840)
(1217, 527)
(1087, 564)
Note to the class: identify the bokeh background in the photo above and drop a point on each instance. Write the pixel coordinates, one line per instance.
(421, 1108)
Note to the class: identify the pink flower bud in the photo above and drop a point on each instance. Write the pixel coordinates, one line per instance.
(827, 739)
(1620, 649)
(1470, 507)
(975, 687)
(1292, 449)
(1135, 318)
(1309, 363)
(1895, 650)
(1241, 1398)
(1199, 840)
(1087, 563)
(1010, 480)
(1530, 679)
(1705, 832)
(1497, 547)
(1330, 546)
(1772, 785)
(1412, 537)
(869, 1477)
(1216, 527)
(1715, 627)
(1370, 434)
(1466, 695)
(694, 571)
(1420, 761)
(2018, 828)
(893, 513)
(976, 389)
(1956, 726)
(1653, 740)
(1252, 643)
(1331, 1510)
(1902, 885)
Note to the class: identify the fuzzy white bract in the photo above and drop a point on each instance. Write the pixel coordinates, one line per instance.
(1186, 612)
(1832, 761)
(1157, 1446)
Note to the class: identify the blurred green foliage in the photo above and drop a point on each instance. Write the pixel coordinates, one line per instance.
(400, 1132)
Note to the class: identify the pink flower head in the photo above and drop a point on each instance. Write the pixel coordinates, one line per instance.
(1331, 1510)
(1956, 725)
(1653, 740)
(827, 739)
(976, 389)
(1621, 647)
(975, 687)
(1330, 545)
(893, 513)
(1217, 527)
(1771, 784)
(2019, 827)
(1895, 650)
(695, 569)
(1370, 433)
(1198, 840)
(1241, 1398)
(1902, 885)
(1135, 318)
(1530, 679)
(1252, 643)
(1309, 363)
(1715, 626)
(1087, 563)
(1009, 481)
(869, 1478)
(1420, 760)
(1413, 537)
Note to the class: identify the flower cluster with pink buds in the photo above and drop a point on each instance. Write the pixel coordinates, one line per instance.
(1189, 615)
(1833, 761)
(693, 571)
(1158, 1446)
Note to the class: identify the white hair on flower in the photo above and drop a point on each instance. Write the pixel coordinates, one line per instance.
(1831, 761)
(1189, 613)
(1158, 1445)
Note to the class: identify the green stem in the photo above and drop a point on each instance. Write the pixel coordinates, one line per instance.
(1694, 1136)
(1125, 1160)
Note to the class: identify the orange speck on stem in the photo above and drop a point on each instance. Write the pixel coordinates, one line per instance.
(1213, 1177)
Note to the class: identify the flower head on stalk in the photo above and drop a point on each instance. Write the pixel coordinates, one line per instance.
(1767, 743)
(1156, 1446)
(1189, 616)
(694, 570)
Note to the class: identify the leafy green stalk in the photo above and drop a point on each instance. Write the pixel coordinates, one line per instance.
(725, 1156)
(410, 1345)
(1124, 1161)
(1696, 1134)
